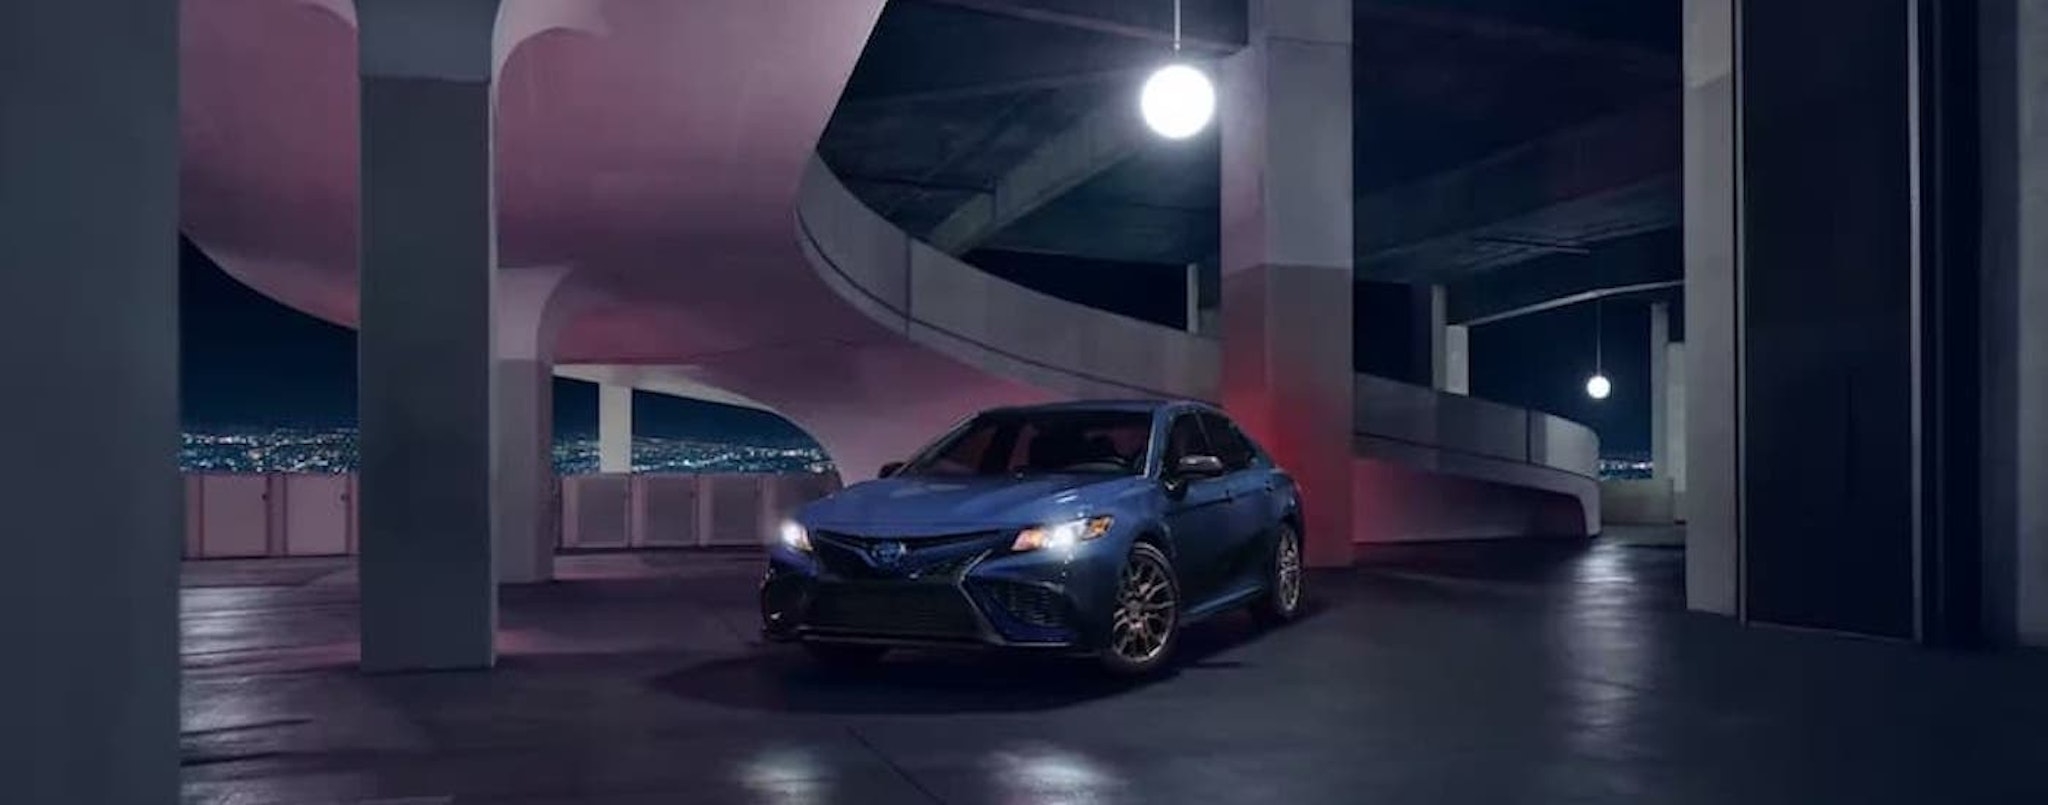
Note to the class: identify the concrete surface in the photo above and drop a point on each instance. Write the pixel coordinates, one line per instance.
(1555, 672)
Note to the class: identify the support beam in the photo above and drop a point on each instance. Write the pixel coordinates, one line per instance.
(1533, 200)
(1099, 141)
(1622, 56)
(428, 416)
(1093, 23)
(614, 428)
(89, 329)
(1287, 250)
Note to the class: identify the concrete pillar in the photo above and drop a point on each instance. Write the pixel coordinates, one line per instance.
(428, 416)
(1287, 252)
(2014, 53)
(614, 428)
(1436, 319)
(531, 307)
(1711, 580)
(89, 323)
(1660, 391)
(1674, 423)
(1457, 359)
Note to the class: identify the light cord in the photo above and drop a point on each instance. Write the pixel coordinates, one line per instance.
(1176, 26)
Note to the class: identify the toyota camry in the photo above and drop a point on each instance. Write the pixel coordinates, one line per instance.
(1099, 528)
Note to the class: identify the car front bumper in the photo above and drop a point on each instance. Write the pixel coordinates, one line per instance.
(969, 591)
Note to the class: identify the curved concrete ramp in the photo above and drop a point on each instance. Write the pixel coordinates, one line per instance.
(658, 159)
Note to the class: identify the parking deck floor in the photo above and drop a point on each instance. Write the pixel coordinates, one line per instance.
(1482, 674)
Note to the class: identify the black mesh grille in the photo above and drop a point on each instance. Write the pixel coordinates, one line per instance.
(853, 557)
(1028, 604)
(909, 609)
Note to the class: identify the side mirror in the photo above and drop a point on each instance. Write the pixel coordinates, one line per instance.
(1198, 467)
(889, 469)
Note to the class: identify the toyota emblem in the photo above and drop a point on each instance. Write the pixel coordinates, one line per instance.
(889, 553)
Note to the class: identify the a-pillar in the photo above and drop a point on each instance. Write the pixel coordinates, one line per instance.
(89, 331)
(531, 307)
(2014, 51)
(614, 428)
(1287, 252)
(428, 422)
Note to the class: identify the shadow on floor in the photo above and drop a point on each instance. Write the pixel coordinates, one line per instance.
(779, 678)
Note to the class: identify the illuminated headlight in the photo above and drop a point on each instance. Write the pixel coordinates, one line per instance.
(1061, 535)
(794, 536)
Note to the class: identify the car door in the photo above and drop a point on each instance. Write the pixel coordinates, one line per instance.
(1198, 512)
(1242, 550)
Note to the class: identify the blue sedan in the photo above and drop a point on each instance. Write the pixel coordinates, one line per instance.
(1097, 527)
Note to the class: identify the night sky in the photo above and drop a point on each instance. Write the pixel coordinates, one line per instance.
(250, 362)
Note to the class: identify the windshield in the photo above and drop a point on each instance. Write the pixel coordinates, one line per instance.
(1036, 442)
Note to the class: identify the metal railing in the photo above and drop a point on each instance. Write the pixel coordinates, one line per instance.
(290, 514)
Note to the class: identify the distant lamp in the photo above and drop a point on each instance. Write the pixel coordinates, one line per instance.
(1598, 387)
(1178, 101)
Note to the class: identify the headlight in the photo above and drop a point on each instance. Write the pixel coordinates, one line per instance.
(1061, 535)
(794, 536)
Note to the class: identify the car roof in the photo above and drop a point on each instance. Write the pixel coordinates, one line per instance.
(1134, 406)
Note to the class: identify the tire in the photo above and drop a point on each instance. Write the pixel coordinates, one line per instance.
(1282, 600)
(1145, 625)
(845, 655)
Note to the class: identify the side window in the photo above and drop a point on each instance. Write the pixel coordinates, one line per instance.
(1230, 446)
(1185, 439)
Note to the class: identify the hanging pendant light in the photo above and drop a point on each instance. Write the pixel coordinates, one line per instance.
(1179, 100)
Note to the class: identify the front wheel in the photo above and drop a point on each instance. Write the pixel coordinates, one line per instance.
(1143, 630)
(1282, 601)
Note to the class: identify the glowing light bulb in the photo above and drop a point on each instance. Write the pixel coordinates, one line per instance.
(1598, 387)
(1178, 101)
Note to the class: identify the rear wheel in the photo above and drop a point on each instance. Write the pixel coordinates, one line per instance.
(1282, 601)
(1144, 627)
(845, 655)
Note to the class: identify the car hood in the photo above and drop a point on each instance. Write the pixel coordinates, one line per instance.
(910, 506)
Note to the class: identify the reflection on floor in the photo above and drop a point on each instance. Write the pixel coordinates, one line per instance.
(1482, 674)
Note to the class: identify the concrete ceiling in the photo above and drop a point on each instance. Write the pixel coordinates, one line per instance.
(954, 98)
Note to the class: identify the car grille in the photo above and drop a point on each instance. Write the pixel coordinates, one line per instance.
(906, 609)
(927, 558)
(1027, 603)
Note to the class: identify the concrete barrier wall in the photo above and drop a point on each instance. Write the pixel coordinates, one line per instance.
(277, 515)
(1469, 468)
(988, 322)
(1644, 501)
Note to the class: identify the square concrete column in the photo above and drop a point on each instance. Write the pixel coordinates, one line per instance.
(1711, 582)
(428, 416)
(531, 307)
(1660, 391)
(2014, 311)
(1435, 318)
(1287, 252)
(1457, 359)
(89, 332)
(614, 428)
